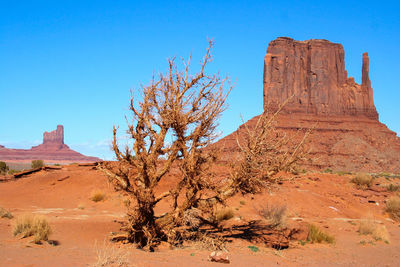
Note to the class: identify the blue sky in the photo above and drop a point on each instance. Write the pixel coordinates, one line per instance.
(74, 62)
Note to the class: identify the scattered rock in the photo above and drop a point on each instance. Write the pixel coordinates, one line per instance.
(218, 256)
(63, 178)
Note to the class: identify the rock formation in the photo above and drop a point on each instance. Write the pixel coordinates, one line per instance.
(314, 73)
(54, 138)
(347, 134)
(52, 149)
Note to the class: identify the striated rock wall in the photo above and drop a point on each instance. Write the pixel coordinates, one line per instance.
(340, 143)
(314, 72)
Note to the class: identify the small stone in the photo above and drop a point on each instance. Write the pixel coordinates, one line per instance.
(220, 257)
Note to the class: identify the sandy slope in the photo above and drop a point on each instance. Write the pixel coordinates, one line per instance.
(326, 200)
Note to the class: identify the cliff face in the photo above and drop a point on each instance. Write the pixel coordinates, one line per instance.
(347, 135)
(314, 72)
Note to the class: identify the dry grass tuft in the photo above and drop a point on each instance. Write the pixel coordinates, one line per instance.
(362, 180)
(393, 207)
(204, 241)
(393, 187)
(36, 226)
(370, 227)
(97, 195)
(5, 213)
(381, 233)
(316, 235)
(224, 215)
(275, 214)
(109, 255)
(367, 227)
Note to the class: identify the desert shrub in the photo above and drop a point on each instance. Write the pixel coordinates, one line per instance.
(36, 226)
(37, 164)
(224, 215)
(381, 233)
(367, 227)
(254, 248)
(275, 214)
(12, 171)
(109, 255)
(5, 213)
(3, 167)
(328, 170)
(316, 235)
(393, 207)
(341, 173)
(370, 227)
(97, 195)
(362, 180)
(393, 187)
(264, 152)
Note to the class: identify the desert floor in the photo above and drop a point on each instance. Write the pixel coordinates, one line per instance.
(81, 227)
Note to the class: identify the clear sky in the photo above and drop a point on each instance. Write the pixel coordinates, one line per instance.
(74, 62)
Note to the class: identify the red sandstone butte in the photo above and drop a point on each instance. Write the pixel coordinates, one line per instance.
(52, 149)
(314, 72)
(347, 133)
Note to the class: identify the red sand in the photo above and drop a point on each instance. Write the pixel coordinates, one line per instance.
(329, 201)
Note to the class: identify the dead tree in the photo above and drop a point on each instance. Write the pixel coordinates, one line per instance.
(174, 121)
(172, 127)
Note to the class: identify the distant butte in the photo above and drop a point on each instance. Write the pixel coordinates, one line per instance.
(348, 135)
(52, 149)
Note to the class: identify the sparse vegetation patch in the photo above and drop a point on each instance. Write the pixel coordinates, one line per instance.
(393, 187)
(370, 227)
(316, 235)
(12, 171)
(5, 213)
(275, 214)
(253, 248)
(3, 167)
(37, 164)
(224, 215)
(362, 180)
(393, 207)
(36, 226)
(109, 255)
(97, 195)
